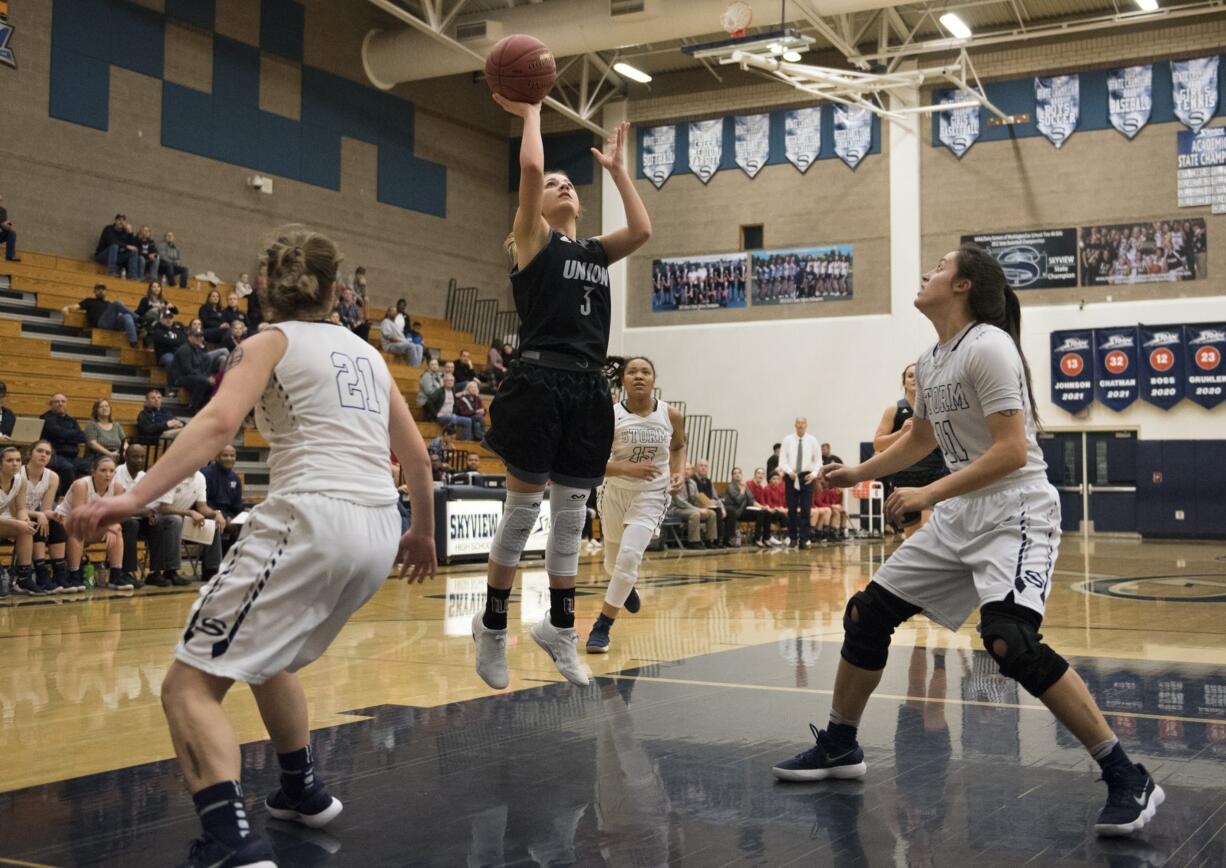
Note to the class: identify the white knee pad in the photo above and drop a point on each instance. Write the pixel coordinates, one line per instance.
(567, 513)
(519, 516)
(635, 539)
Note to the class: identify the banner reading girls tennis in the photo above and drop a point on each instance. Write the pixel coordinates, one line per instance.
(853, 133)
(1161, 365)
(1115, 371)
(1130, 98)
(802, 136)
(958, 128)
(706, 148)
(658, 153)
(1057, 106)
(1194, 90)
(1205, 370)
(752, 136)
(1072, 369)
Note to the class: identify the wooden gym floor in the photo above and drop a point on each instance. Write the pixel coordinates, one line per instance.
(666, 758)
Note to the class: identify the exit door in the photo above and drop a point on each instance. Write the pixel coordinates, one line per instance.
(1095, 473)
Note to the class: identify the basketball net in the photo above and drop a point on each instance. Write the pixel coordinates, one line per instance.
(737, 18)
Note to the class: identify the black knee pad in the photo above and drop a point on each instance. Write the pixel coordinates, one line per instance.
(1026, 659)
(866, 636)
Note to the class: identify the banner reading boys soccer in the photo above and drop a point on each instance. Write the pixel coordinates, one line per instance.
(958, 128)
(1115, 372)
(1130, 98)
(1205, 371)
(706, 147)
(853, 133)
(752, 135)
(1194, 90)
(699, 282)
(802, 136)
(658, 153)
(1161, 365)
(1057, 106)
(1034, 259)
(802, 274)
(1072, 369)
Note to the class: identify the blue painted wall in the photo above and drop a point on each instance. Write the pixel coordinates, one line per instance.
(90, 36)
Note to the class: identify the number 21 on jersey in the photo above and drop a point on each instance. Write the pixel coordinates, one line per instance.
(355, 383)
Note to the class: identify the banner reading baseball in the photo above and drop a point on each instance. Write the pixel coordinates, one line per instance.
(1115, 374)
(1072, 369)
(1130, 98)
(1161, 365)
(1057, 106)
(706, 148)
(658, 153)
(752, 136)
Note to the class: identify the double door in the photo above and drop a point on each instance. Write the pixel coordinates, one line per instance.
(1095, 473)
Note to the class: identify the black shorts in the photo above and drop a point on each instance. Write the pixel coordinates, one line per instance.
(550, 424)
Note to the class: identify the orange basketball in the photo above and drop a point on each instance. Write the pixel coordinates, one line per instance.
(520, 68)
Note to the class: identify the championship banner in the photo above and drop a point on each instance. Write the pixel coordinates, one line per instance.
(1034, 259)
(1194, 90)
(706, 148)
(1205, 372)
(802, 274)
(658, 153)
(1200, 175)
(1072, 369)
(699, 282)
(802, 136)
(1115, 373)
(853, 133)
(752, 142)
(1158, 251)
(1057, 106)
(1161, 360)
(958, 128)
(1130, 98)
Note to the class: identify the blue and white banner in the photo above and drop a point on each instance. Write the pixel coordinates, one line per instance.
(1194, 84)
(706, 147)
(659, 153)
(1057, 106)
(752, 142)
(1161, 365)
(1205, 371)
(853, 133)
(958, 128)
(802, 136)
(1072, 369)
(1115, 372)
(1130, 98)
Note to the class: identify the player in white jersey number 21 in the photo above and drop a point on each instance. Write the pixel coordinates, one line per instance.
(991, 543)
(309, 556)
(645, 468)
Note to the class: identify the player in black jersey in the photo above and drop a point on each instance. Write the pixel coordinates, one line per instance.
(895, 421)
(552, 419)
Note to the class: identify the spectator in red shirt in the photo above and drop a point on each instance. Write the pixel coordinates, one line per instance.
(772, 508)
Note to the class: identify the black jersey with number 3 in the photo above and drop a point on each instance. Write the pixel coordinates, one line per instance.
(563, 299)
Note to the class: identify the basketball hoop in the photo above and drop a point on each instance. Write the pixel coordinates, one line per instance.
(737, 18)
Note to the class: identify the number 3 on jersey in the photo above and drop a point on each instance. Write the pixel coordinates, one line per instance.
(355, 383)
(586, 308)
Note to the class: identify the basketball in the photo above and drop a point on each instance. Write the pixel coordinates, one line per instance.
(520, 68)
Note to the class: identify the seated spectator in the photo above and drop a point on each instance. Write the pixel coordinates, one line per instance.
(217, 357)
(394, 341)
(772, 509)
(189, 501)
(65, 437)
(695, 517)
(468, 405)
(508, 354)
(155, 423)
(15, 521)
(431, 381)
(438, 449)
(193, 371)
(223, 490)
(167, 336)
(151, 307)
(414, 334)
(147, 250)
(472, 467)
(495, 365)
(159, 532)
(242, 286)
(831, 524)
(353, 313)
(102, 314)
(335, 318)
(773, 461)
(232, 313)
(464, 369)
(827, 457)
(441, 405)
(449, 371)
(708, 499)
(8, 234)
(8, 419)
(359, 283)
(49, 570)
(115, 246)
(212, 323)
(238, 331)
(99, 482)
(738, 504)
(170, 265)
(402, 316)
(103, 435)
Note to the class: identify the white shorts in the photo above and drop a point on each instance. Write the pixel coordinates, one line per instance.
(622, 506)
(976, 550)
(303, 564)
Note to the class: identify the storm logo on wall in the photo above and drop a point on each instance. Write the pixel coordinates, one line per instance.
(6, 33)
(1023, 265)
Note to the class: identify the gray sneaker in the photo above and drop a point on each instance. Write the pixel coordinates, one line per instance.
(562, 644)
(491, 654)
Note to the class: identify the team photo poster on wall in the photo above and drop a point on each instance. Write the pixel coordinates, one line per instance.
(1155, 251)
(765, 277)
(1161, 365)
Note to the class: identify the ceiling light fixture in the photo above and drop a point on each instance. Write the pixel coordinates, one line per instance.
(793, 56)
(956, 25)
(1148, 5)
(631, 72)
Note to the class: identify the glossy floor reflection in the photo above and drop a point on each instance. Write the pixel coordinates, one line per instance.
(665, 759)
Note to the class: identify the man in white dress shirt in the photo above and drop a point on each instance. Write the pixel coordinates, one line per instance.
(799, 462)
